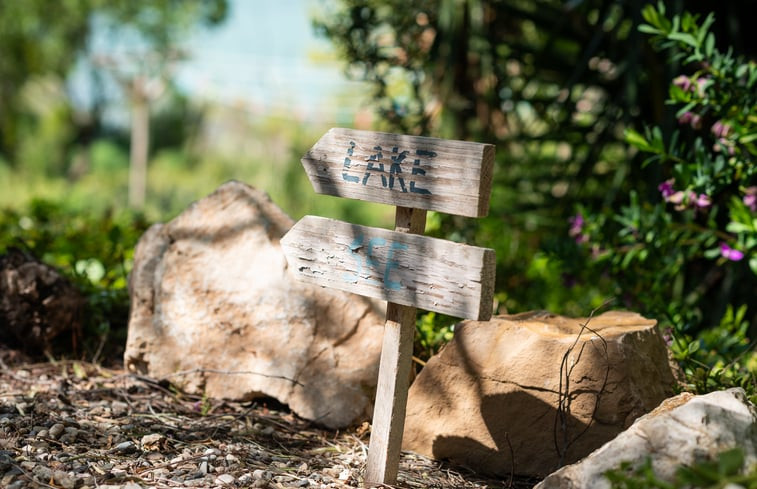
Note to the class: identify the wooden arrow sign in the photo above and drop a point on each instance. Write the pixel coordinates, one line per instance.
(407, 269)
(403, 267)
(409, 171)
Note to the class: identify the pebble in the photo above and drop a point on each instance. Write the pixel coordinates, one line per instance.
(126, 447)
(64, 479)
(225, 479)
(204, 467)
(151, 441)
(56, 430)
(42, 473)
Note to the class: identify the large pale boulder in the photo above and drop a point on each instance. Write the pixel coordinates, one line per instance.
(526, 394)
(215, 310)
(681, 431)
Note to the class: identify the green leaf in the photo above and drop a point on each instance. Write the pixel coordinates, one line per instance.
(731, 461)
(648, 29)
(709, 45)
(738, 227)
(693, 347)
(634, 138)
(684, 38)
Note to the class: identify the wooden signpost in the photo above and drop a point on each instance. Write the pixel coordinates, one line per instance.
(406, 269)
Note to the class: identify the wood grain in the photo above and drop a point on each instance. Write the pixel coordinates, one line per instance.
(411, 171)
(394, 375)
(408, 269)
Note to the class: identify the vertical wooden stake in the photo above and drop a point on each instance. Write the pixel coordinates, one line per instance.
(394, 375)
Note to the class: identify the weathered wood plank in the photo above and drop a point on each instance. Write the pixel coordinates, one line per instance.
(411, 171)
(407, 269)
(391, 396)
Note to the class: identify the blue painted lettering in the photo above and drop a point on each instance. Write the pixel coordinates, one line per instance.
(370, 261)
(395, 175)
(345, 175)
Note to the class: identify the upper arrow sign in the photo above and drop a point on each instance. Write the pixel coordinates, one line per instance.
(410, 171)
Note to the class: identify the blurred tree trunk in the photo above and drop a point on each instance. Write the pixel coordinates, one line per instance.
(140, 144)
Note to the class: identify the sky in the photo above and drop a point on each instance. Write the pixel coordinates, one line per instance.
(264, 56)
(264, 59)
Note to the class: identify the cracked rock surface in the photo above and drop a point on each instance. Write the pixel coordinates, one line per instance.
(215, 310)
(526, 394)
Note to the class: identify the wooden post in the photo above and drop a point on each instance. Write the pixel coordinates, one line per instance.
(406, 269)
(394, 374)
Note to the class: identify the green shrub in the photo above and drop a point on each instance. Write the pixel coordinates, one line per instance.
(95, 251)
(685, 249)
(726, 471)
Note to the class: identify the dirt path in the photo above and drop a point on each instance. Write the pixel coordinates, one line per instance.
(74, 425)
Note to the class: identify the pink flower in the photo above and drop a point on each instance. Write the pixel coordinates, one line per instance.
(676, 197)
(692, 119)
(750, 198)
(577, 228)
(730, 253)
(683, 82)
(701, 85)
(720, 130)
(701, 201)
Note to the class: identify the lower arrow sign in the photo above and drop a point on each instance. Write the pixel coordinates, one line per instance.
(408, 269)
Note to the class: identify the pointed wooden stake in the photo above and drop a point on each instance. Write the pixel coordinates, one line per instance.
(394, 375)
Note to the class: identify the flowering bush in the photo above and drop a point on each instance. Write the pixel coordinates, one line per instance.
(685, 250)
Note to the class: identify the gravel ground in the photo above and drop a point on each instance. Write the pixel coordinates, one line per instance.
(74, 425)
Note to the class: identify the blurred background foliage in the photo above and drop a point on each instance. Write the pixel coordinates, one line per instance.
(554, 84)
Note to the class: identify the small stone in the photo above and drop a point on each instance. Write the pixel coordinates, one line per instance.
(260, 483)
(64, 479)
(56, 430)
(245, 478)
(151, 441)
(226, 479)
(43, 434)
(258, 474)
(204, 467)
(42, 473)
(232, 459)
(126, 447)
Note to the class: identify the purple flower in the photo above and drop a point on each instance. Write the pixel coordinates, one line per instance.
(683, 82)
(750, 198)
(720, 130)
(576, 224)
(577, 228)
(729, 253)
(692, 119)
(666, 188)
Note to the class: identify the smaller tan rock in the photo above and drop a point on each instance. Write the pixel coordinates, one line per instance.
(526, 394)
